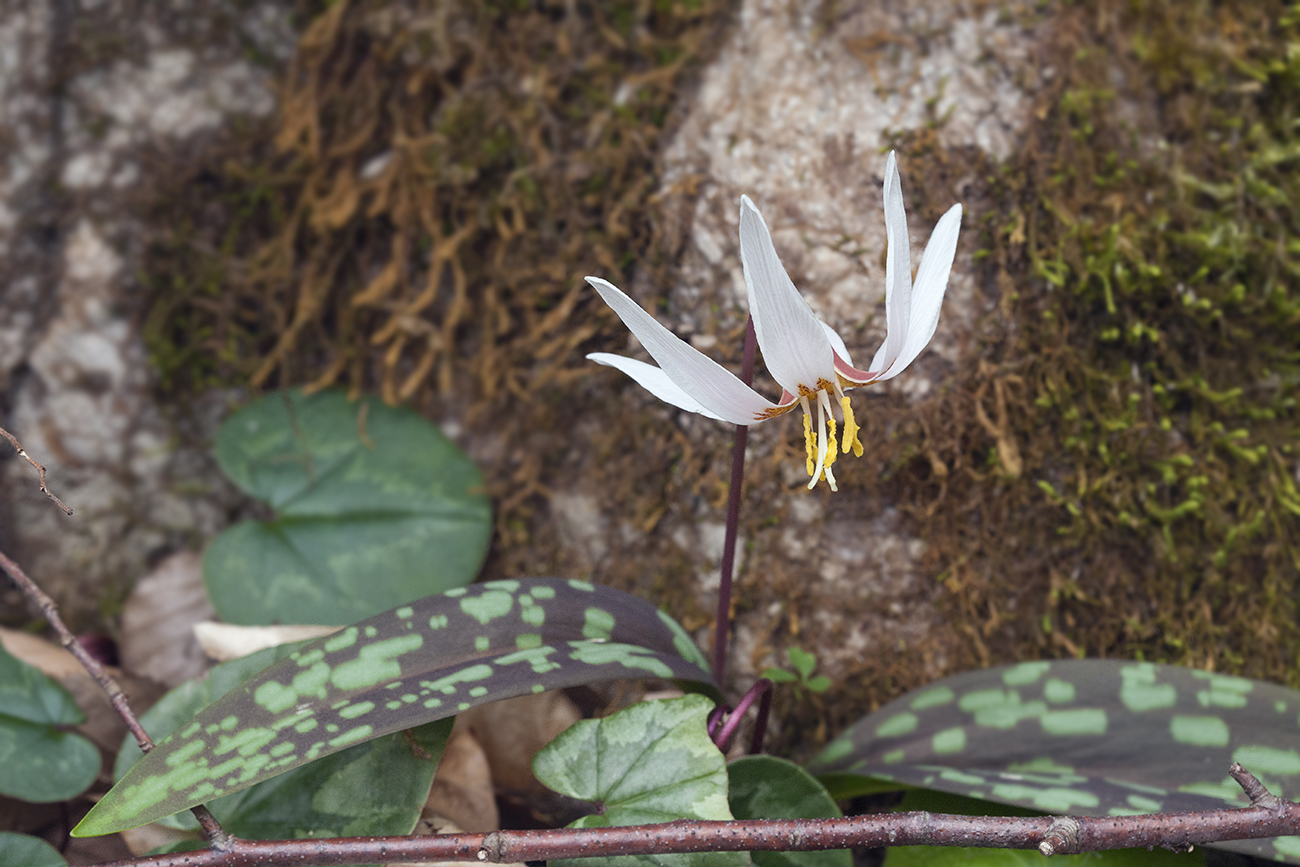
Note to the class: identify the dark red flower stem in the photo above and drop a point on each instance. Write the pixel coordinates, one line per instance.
(761, 692)
(723, 626)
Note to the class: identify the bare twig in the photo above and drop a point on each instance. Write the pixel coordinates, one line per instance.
(117, 698)
(40, 468)
(1265, 818)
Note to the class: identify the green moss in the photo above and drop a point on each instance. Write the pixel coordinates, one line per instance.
(1145, 247)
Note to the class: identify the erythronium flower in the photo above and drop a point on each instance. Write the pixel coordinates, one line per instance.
(804, 355)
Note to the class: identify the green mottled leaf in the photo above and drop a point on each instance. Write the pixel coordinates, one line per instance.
(653, 762)
(765, 787)
(373, 507)
(1086, 737)
(947, 856)
(22, 850)
(38, 761)
(378, 787)
(419, 662)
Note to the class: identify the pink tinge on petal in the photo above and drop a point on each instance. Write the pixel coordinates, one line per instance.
(851, 373)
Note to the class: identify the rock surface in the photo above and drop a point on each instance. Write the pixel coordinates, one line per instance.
(98, 101)
(793, 108)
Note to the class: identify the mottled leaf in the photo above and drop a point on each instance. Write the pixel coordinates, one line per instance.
(950, 856)
(373, 507)
(1085, 737)
(653, 762)
(377, 787)
(22, 850)
(39, 761)
(419, 662)
(765, 787)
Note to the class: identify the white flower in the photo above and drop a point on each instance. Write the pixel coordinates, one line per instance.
(804, 355)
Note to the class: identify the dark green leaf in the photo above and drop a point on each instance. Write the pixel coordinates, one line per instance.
(414, 664)
(653, 762)
(27, 694)
(947, 856)
(40, 762)
(21, 850)
(378, 787)
(374, 507)
(1085, 737)
(765, 787)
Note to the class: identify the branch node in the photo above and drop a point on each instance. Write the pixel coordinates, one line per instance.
(1062, 837)
(492, 849)
(1258, 793)
(38, 466)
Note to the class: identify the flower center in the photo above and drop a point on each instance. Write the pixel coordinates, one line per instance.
(821, 445)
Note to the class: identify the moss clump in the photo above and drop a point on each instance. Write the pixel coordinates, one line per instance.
(1122, 477)
(442, 176)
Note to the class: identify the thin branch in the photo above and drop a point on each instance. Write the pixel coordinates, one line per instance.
(216, 835)
(40, 468)
(1268, 817)
(116, 697)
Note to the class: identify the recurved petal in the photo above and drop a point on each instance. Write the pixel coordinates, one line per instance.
(794, 346)
(706, 382)
(653, 380)
(927, 295)
(898, 270)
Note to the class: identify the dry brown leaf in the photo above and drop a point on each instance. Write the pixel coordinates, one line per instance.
(513, 730)
(462, 790)
(225, 641)
(157, 640)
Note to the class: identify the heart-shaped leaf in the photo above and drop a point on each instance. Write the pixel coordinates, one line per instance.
(22, 850)
(653, 762)
(378, 787)
(419, 662)
(374, 507)
(765, 787)
(1093, 737)
(40, 762)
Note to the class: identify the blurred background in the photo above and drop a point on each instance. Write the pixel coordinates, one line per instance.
(200, 202)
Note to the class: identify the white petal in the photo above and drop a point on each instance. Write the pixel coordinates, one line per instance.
(898, 270)
(705, 381)
(837, 343)
(653, 380)
(795, 348)
(927, 296)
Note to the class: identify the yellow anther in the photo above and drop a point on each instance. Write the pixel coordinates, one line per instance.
(832, 447)
(850, 429)
(810, 442)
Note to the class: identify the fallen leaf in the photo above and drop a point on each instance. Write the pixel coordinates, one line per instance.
(226, 641)
(157, 640)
